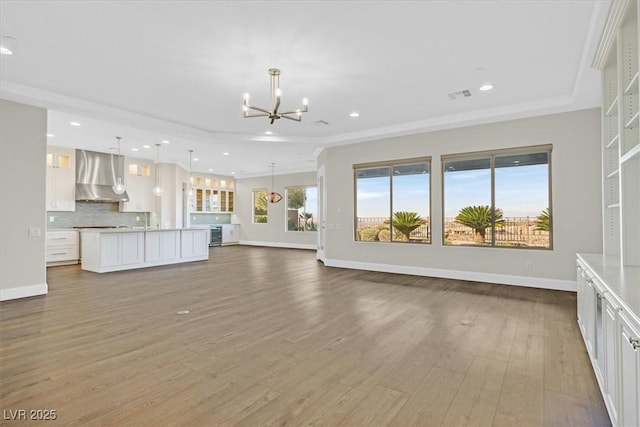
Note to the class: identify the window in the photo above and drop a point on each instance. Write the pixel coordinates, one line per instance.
(259, 206)
(393, 201)
(302, 208)
(500, 198)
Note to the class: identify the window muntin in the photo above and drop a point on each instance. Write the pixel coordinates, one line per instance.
(302, 208)
(393, 201)
(259, 206)
(508, 191)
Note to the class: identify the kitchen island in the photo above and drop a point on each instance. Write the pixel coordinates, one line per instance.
(108, 250)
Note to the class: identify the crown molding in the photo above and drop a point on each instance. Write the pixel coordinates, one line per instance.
(617, 11)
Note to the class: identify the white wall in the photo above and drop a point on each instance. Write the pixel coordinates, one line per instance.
(273, 233)
(23, 154)
(576, 198)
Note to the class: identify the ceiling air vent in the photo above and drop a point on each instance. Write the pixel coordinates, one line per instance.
(320, 123)
(461, 94)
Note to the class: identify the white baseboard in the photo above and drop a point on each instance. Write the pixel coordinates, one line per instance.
(502, 279)
(23, 292)
(280, 245)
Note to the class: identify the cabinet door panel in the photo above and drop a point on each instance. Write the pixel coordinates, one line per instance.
(131, 248)
(109, 250)
(152, 246)
(629, 372)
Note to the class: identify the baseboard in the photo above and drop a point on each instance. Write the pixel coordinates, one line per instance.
(280, 245)
(502, 279)
(23, 292)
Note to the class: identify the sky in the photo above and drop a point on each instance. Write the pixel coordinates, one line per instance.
(520, 191)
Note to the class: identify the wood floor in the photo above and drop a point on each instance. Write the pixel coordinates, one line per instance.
(275, 338)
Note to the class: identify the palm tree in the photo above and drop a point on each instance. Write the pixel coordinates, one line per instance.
(479, 218)
(406, 222)
(542, 221)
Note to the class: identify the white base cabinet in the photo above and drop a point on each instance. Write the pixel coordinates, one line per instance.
(609, 320)
(105, 251)
(62, 247)
(230, 234)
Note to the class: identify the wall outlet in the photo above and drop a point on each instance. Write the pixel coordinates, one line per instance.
(137, 217)
(528, 265)
(193, 218)
(51, 218)
(34, 231)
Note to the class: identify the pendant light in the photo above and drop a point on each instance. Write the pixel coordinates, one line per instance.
(273, 196)
(119, 187)
(190, 183)
(157, 190)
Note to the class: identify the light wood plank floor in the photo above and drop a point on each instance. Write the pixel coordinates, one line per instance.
(275, 338)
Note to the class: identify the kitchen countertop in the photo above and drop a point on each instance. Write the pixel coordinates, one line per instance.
(136, 229)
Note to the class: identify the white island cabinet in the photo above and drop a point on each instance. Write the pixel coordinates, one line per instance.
(113, 250)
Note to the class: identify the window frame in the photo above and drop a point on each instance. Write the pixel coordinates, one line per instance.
(491, 155)
(253, 205)
(286, 207)
(391, 164)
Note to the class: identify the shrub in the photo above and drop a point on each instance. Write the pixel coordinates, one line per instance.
(369, 234)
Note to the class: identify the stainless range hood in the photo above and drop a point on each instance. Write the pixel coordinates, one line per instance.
(96, 174)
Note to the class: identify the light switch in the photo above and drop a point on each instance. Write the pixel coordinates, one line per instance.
(34, 231)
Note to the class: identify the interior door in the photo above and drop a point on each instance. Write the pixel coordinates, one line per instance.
(322, 214)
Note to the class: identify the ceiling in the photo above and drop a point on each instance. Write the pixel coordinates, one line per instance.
(176, 70)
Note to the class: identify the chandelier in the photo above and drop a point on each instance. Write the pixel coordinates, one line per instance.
(274, 113)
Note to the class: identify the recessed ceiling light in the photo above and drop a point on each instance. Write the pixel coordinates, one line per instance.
(196, 159)
(146, 146)
(134, 149)
(225, 153)
(486, 87)
(354, 114)
(166, 142)
(233, 173)
(5, 50)
(50, 135)
(77, 124)
(210, 170)
(268, 132)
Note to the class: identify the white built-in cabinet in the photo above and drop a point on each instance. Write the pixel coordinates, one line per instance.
(230, 234)
(61, 179)
(139, 179)
(608, 316)
(212, 194)
(113, 250)
(609, 283)
(162, 245)
(63, 247)
(195, 243)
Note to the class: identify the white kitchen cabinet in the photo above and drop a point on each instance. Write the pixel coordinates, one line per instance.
(230, 234)
(212, 194)
(162, 245)
(61, 179)
(629, 371)
(62, 248)
(121, 249)
(139, 180)
(195, 243)
(104, 251)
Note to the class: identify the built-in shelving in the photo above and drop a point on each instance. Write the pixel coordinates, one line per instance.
(612, 111)
(632, 87)
(613, 174)
(632, 153)
(632, 123)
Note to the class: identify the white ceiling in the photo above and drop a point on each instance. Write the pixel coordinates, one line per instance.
(176, 70)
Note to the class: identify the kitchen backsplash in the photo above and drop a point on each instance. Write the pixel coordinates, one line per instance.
(210, 218)
(96, 214)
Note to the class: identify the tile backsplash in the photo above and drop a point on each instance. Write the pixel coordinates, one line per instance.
(92, 214)
(210, 218)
